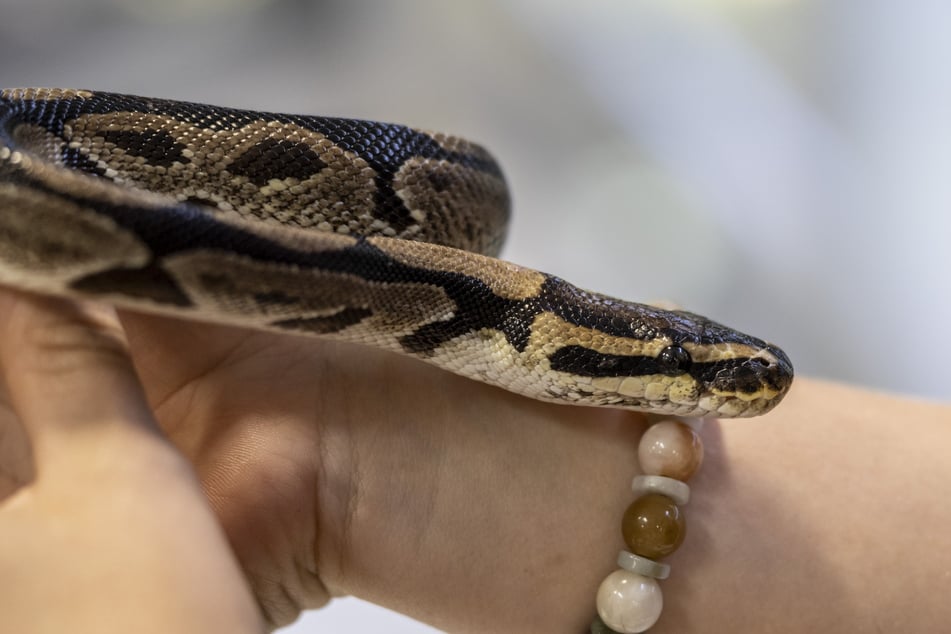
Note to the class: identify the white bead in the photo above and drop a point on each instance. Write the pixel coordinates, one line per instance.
(643, 565)
(629, 603)
(670, 448)
(676, 490)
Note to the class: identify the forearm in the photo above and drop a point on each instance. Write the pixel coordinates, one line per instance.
(825, 514)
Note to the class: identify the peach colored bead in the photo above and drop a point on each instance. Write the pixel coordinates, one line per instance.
(670, 449)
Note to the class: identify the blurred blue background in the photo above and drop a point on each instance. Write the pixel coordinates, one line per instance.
(780, 165)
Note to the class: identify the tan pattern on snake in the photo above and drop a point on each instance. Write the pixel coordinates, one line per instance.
(361, 231)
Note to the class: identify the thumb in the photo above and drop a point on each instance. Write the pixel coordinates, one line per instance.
(67, 373)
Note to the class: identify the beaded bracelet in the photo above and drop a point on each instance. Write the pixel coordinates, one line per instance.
(629, 599)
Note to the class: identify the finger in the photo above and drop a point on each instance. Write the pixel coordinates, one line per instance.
(66, 371)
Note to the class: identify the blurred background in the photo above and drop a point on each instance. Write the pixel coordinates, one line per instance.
(780, 165)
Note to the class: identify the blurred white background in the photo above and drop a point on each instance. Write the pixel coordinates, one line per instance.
(780, 165)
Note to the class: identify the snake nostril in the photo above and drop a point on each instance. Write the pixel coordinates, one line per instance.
(746, 379)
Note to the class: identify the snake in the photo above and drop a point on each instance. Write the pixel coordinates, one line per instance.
(366, 232)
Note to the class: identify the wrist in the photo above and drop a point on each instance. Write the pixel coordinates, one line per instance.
(474, 510)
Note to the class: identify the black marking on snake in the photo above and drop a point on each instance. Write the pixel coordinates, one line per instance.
(270, 297)
(155, 146)
(329, 324)
(201, 202)
(76, 159)
(52, 115)
(733, 373)
(149, 282)
(276, 159)
(440, 182)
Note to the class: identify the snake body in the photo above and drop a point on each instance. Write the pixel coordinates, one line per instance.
(366, 232)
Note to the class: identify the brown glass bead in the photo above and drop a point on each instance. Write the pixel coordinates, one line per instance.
(653, 526)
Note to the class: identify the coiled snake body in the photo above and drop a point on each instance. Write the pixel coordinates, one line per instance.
(367, 232)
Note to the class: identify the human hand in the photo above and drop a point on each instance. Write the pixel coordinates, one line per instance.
(108, 530)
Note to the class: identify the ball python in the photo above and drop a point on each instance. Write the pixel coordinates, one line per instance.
(366, 232)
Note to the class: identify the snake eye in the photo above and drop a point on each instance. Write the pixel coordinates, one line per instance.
(674, 361)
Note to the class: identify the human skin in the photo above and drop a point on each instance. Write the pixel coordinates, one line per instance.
(338, 470)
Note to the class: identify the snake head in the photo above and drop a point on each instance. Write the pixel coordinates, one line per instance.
(667, 362)
(735, 374)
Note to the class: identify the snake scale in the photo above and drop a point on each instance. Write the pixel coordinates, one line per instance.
(361, 231)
